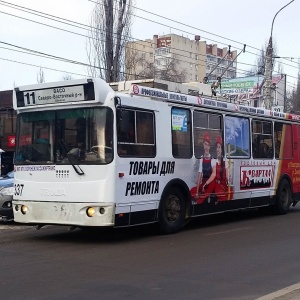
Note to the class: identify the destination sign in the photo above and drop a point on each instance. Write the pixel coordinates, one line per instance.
(54, 95)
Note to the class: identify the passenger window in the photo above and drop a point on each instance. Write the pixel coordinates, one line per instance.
(262, 140)
(136, 136)
(280, 130)
(181, 133)
(237, 137)
(207, 127)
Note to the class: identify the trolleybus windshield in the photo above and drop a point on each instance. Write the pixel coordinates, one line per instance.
(69, 136)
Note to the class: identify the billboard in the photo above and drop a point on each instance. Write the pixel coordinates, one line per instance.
(252, 88)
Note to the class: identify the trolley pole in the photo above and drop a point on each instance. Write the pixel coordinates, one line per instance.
(269, 65)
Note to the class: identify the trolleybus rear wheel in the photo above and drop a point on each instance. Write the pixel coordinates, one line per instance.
(171, 211)
(283, 197)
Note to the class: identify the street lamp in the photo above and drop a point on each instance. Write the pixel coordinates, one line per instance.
(269, 67)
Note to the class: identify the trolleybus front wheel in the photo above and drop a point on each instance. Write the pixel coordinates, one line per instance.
(283, 197)
(171, 212)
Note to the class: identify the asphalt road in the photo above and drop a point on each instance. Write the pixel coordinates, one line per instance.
(243, 255)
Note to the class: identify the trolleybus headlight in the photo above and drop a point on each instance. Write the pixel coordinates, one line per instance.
(90, 211)
(24, 209)
(102, 210)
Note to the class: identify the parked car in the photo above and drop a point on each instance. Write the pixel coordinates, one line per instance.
(8, 178)
(6, 196)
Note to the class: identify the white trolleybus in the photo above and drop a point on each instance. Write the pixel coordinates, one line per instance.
(89, 156)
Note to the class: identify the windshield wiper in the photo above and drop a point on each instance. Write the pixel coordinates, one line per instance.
(76, 167)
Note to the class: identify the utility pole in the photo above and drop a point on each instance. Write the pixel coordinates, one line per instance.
(268, 75)
(269, 65)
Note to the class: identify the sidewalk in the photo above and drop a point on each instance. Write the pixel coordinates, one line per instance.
(289, 293)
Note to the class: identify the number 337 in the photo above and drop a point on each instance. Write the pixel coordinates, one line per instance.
(19, 189)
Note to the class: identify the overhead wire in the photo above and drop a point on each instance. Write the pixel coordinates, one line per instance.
(239, 70)
(51, 17)
(199, 29)
(68, 31)
(166, 18)
(67, 21)
(45, 55)
(46, 68)
(49, 56)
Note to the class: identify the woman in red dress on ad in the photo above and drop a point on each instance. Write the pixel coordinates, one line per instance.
(212, 182)
(222, 189)
(206, 174)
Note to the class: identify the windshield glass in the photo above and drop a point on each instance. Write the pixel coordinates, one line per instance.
(73, 136)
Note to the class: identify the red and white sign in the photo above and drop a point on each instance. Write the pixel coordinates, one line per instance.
(253, 177)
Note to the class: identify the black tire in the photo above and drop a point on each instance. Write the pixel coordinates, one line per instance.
(283, 198)
(171, 212)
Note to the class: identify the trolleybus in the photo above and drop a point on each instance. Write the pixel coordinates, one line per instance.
(87, 155)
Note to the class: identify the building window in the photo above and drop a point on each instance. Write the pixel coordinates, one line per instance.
(211, 58)
(162, 51)
(230, 74)
(196, 77)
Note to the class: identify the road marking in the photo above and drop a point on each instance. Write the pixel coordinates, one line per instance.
(228, 231)
(282, 292)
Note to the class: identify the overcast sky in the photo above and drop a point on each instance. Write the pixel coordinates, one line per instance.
(230, 22)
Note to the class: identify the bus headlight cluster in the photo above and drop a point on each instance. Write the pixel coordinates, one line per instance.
(91, 211)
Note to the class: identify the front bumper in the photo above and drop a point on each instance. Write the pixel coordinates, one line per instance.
(62, 213)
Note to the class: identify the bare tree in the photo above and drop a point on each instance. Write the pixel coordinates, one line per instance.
(260, 63)
(171, 71)
(136, 63)
(293, 97)
(40, 76)
(67, 77)
(141, 65)
(110, 30)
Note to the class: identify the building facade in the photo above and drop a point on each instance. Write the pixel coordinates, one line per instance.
(179, 58)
